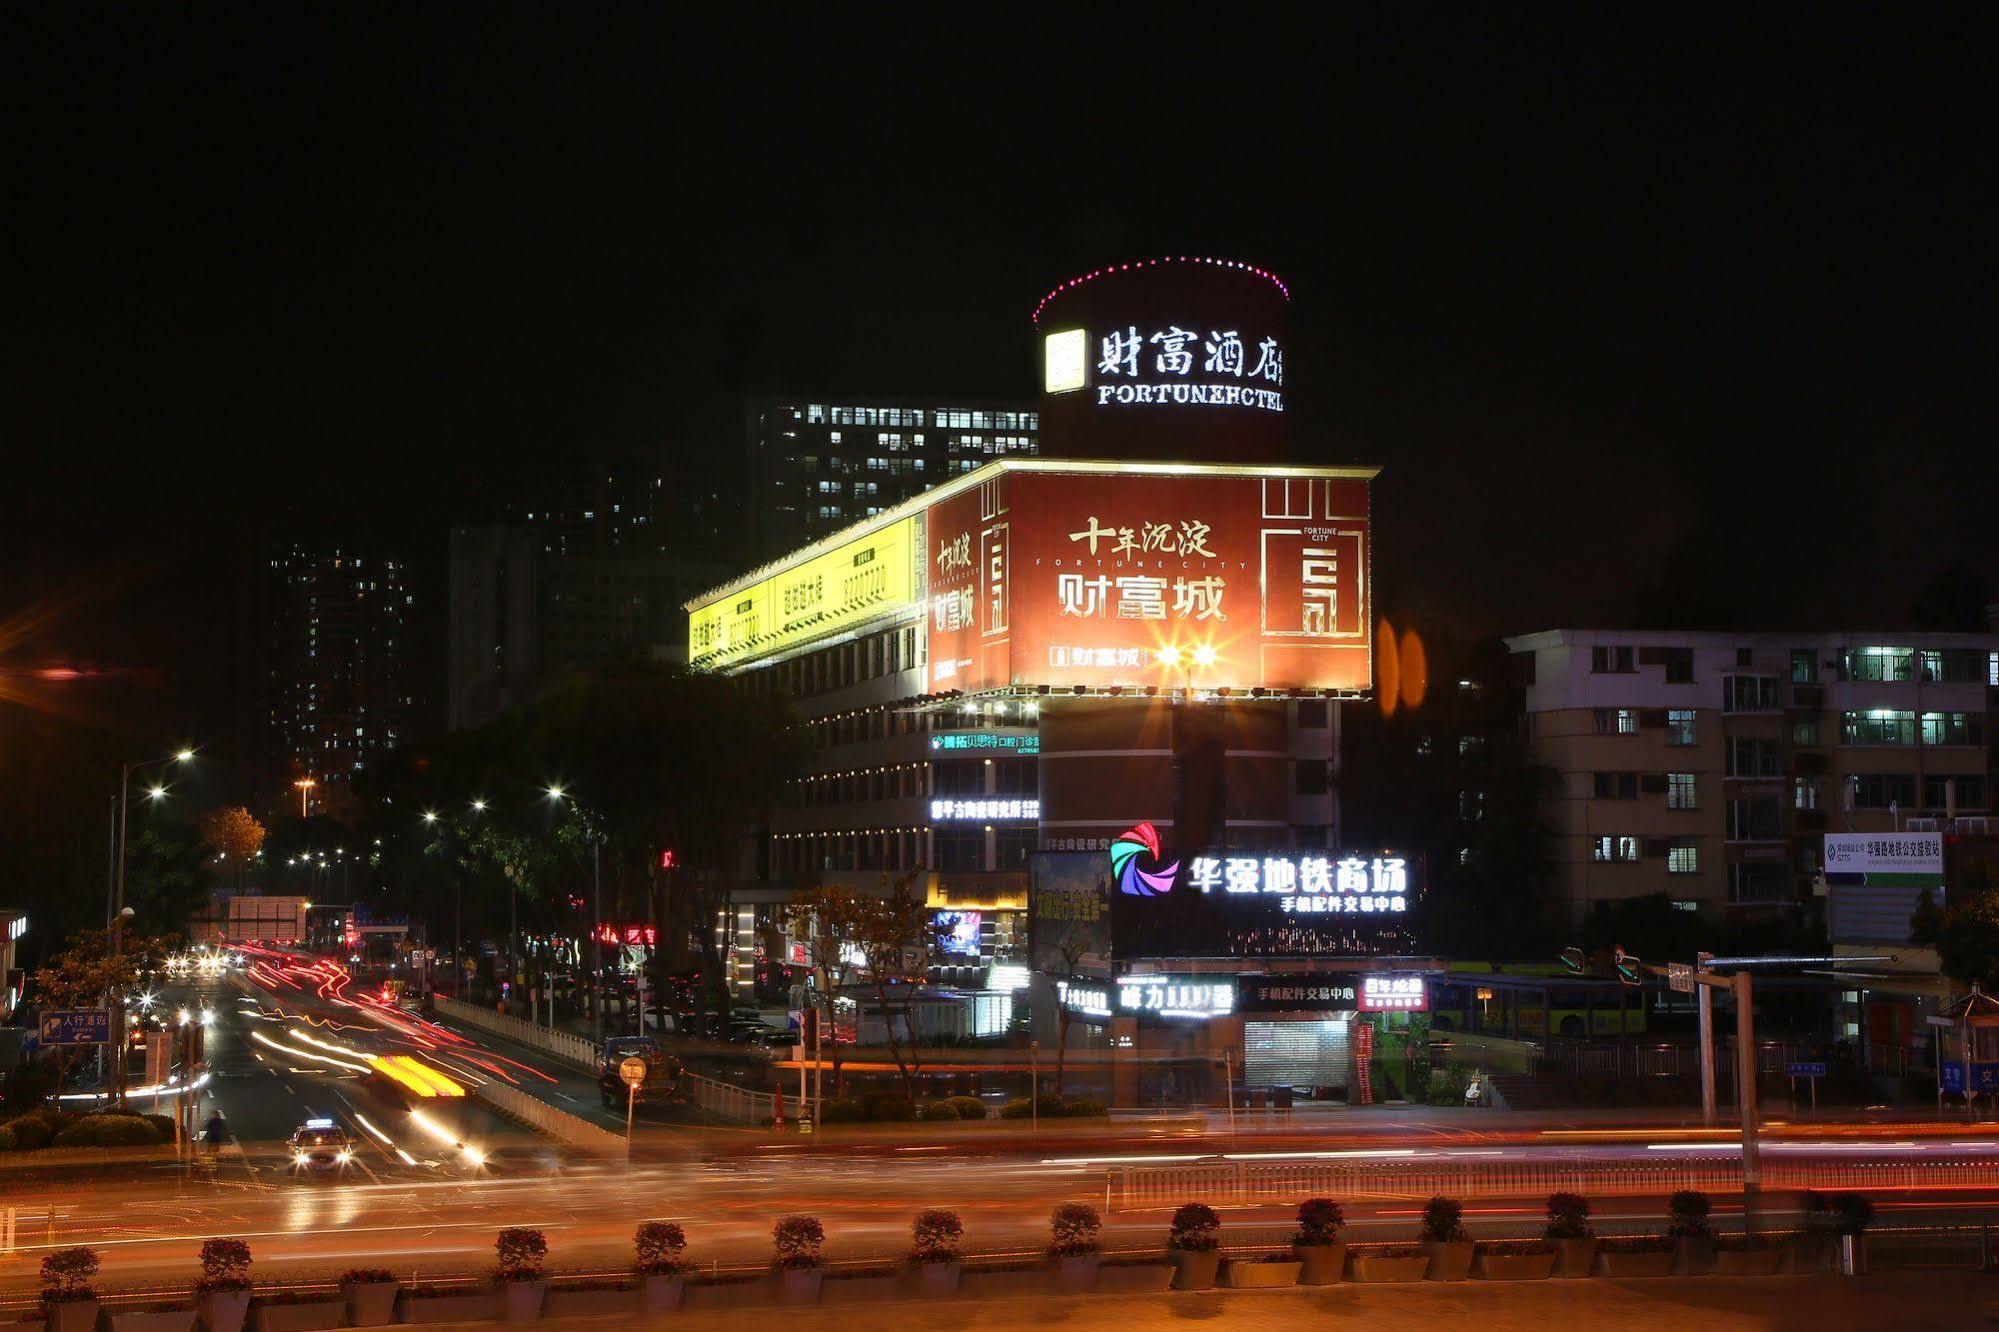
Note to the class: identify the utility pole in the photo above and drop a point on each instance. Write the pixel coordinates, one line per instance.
(1745, 1077)
(1704, 1000)
(597, 939)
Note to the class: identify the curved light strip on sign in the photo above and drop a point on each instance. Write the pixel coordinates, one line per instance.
(1132, 880)
(1264, 273)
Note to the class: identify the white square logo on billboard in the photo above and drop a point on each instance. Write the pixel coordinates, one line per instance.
(1065, 359)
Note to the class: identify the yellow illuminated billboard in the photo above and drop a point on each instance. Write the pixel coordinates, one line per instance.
(820, 594)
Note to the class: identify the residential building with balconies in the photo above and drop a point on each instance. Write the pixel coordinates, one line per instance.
(1708, 766)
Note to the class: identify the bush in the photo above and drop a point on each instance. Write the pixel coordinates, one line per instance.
(795, 1242)
(968, 1107)
(520, 1249)
(108, 1131)
(30, 1133)
(842, 1111)
(1568, 1216)
(660, 1244)
(1075, 1227)
(1052, 1107)
(935, 1236)
(225, 1265)
(162, 1125)
(1017, 1108)
(1690, 1208)
(7, 1142)
(937, 1110)
(1447, 1085)
(1443, 1221)
(888, 1108)
(1195, 1229)
(1086, 1109)
(1319, 1222)
(362, 1276)
(66, 1275)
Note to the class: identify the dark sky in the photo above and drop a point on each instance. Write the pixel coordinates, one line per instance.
(1590, 294)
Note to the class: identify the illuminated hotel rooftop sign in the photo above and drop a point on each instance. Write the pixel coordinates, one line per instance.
(1167, 366)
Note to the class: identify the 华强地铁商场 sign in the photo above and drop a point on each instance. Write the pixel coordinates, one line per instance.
(1263, 904)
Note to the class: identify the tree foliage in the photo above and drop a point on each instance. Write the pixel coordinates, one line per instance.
(1965, 928)
(233, 832)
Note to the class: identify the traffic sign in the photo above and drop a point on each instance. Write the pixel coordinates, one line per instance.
(1936, 1021)
(1680, 977)
(633, 1070)
(76, 1026)
(1808, 1069)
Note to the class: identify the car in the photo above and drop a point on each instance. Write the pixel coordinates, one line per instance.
(321, 1147)
(662, 1079)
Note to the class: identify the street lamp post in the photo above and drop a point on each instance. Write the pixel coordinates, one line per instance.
(304, 785)
(119, 911)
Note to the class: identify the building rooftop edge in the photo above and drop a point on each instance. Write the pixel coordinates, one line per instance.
(919, 502)
(1547, 638)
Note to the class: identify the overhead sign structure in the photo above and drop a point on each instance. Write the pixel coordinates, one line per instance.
(1875, 880)
(76, 1026)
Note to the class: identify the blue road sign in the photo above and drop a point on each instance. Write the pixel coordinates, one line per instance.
(76, 1026)
(1807, 1070)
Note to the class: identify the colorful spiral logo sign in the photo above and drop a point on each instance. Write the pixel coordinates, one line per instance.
(1131, 880)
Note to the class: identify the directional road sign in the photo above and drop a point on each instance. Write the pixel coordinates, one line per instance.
(1680, 977)
(76, 1026)
(1808, 1069)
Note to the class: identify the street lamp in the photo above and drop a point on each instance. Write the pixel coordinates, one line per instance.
(116, 911)
(596, 927)
(304, 785)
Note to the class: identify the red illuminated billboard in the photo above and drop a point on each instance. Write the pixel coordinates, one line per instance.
(1160, 575)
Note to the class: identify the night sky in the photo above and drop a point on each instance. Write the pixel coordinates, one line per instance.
(1592, 296)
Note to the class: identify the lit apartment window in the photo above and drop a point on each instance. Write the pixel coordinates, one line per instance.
(1616, 721)
(1614, 849)
(1681, 790)
(1805, 793)
(1950, 665)
(1683, 858)
(1952, 728)
(1878, 726)
(1679, 726)
(1804, 666)
(1894, 664)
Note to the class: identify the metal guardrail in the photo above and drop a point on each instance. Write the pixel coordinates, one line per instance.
(1246, 1183)
(540, 1115)
(564, 1046)
(727, 1100)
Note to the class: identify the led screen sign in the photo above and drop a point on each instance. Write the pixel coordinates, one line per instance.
(1136, 576)
(984, 809)
(986, 742)
(1393, 994)
(829, 592)
(1157, 996)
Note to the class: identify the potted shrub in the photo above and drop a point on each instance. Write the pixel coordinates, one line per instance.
(1273, 1269)
(1691, 1232)
(1445, 1240)
(1637, 1256)
(289, 1311)
(521, 1250)
(1074, 1245)
(1746, 1255)
(1516, 1260)
(1321, 1254)
(935, 1237)
(1194, 1246)
(795, 1244)
(1391, 1262)
(662, 1272)
(1569, 1232)
(66, 1292)
(222, 1296)
(370, 1295)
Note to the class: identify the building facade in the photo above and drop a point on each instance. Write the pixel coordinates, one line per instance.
(338, 678)
(1709, 766)
(816, 467)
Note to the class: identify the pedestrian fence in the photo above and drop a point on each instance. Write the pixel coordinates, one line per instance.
(519, 1106)
(1256, 1183)
(571, 1049)
(726, 1101)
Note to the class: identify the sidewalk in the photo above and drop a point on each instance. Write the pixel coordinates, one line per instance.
(1907, 1302)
